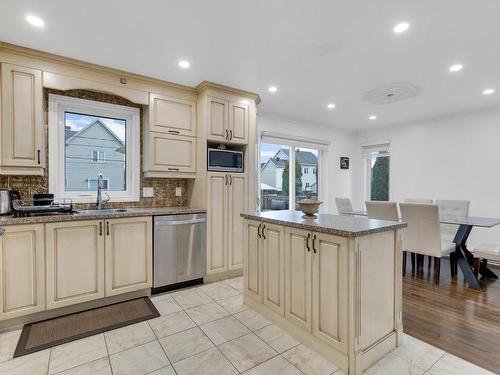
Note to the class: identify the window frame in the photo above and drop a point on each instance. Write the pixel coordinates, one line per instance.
(367, 153)
(96, 180)
(98, 159)
(297, 143)
(58, 106)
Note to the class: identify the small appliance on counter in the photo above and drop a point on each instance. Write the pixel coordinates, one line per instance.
(6, 198)
(40, 204)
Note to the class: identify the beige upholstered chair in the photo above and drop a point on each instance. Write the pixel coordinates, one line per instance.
(344, 205)
(382, 210)
(484, 252)
(454, 208)
(422, 236)
(418, 200)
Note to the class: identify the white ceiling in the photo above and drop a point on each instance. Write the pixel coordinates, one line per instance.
(315, 51)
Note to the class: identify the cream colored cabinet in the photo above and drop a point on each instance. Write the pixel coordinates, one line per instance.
(171, 153)
(75, 262)
(172, 115)
(226, 200)
(22, 270)
(329, 289)
(252, 275)
(227, 121)
(128, 255)
(273, 253)
(22, 125)
(298, 277)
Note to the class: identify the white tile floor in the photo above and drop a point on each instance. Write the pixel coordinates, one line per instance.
(207, 330)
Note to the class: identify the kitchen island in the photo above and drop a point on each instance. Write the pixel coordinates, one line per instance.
(333, 283)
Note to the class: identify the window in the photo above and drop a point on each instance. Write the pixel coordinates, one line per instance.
(281, 186)
(92, 184)
(377, 171)
(87, 138)
(98, 157)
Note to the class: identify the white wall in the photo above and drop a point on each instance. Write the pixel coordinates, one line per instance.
(338, 182)
(450, 157)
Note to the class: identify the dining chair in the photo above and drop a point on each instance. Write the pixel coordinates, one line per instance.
(454, 208)
(422, 236)
(382, 210)
(344, 205)
(418, 200)
(484, 252)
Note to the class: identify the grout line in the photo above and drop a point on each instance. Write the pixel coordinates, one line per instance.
(107, 351)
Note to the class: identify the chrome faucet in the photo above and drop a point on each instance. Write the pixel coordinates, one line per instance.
(100, 185)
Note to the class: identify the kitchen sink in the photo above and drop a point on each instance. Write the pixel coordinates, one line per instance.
(105, 211)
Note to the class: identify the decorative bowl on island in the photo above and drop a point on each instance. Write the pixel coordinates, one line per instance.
(309, 207)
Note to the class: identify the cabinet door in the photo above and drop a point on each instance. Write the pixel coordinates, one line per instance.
(216, 222)
(329, 288)
(23, 136)
(172, 115)
(238, 123)
(22, 271)
(75, 262)
(128, 255)
(172, 153)
(217, 120)
(252, 275)
(298, 277)
(273, 252)
(237, 204)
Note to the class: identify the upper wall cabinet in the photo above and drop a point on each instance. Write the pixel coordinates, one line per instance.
(172, 115)
(170, 137)
(22, 127)
(227, 121)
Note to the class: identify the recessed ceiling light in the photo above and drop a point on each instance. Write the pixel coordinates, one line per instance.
(331, 106)
(184, 64)
(488, 91)
(272, 89)
(35, 21)
(372, 117)
(456, 68)
(401, 27)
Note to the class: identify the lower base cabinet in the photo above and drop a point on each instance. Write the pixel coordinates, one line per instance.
(22, 271)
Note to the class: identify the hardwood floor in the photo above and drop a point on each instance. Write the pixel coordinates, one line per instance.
(453, 317)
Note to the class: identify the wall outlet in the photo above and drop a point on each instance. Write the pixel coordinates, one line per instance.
(147, 192)
(178, 191)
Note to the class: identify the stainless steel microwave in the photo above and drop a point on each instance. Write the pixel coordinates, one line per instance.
(224, 160)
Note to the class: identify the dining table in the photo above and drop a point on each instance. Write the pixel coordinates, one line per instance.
(464, 257)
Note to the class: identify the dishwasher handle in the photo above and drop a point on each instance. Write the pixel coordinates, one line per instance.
(178, 222)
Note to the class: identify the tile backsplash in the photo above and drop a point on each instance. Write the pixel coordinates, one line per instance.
(164, 188)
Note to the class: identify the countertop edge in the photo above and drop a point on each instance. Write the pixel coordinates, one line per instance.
(132, 212)
(317, 228)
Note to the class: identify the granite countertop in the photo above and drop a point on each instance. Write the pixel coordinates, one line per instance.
(99, 215)
(340, 225)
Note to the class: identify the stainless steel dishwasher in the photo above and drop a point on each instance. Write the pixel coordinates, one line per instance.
(179, 250)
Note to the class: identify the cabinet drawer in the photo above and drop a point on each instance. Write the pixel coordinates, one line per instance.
(172, 153)
(172, 115)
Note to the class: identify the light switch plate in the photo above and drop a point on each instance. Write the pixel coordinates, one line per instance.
(178, 191)
(147, 192)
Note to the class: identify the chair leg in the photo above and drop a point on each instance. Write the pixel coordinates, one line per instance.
(477, 264)
(453, 265)
(404, 262)
(437, 270)
(412, 256)
(420, 261)
(429, 262)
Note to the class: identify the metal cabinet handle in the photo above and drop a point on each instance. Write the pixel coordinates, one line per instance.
(263, 231)
(314, 242)
(173, 131)
(227, 135)
(307, 242)
(230, 179)
(225, 178)
(173, 169)
(258, 231)
(38, 153)
(230, 134)
(107, 228)
(100, 228)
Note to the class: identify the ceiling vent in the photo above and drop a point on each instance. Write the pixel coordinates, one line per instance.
(391, 93)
